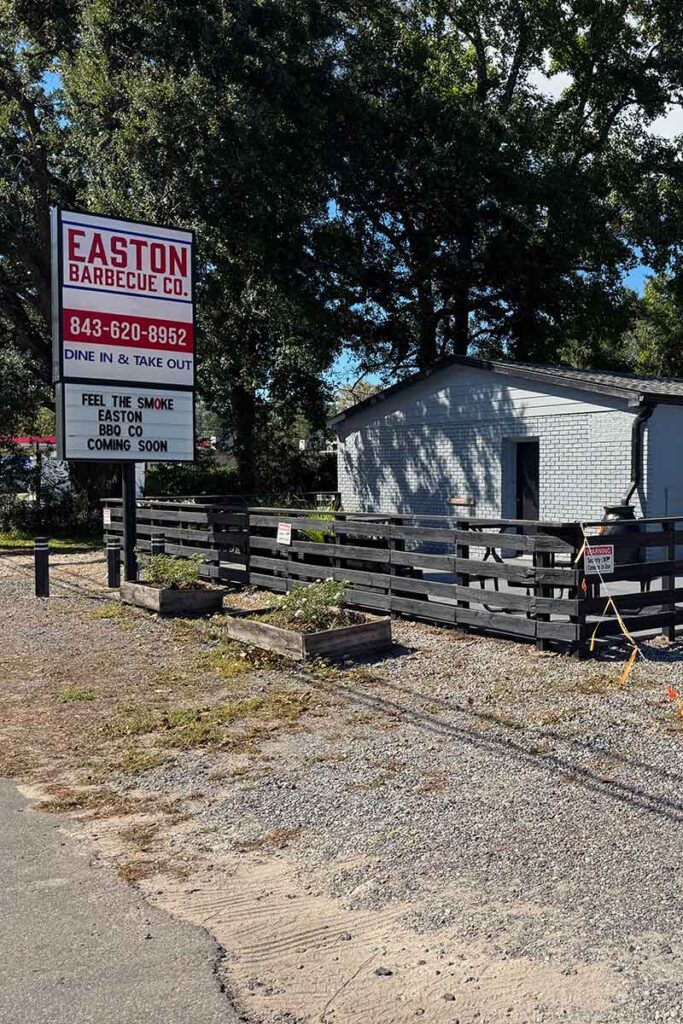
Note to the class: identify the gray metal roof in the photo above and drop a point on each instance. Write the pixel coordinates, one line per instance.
(607, 382)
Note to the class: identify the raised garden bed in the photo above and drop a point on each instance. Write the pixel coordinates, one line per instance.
(358, 640)
(196, 600)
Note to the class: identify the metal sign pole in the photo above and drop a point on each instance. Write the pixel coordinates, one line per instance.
(130, 562)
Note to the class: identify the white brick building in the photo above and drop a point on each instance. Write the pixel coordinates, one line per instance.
(517, 440)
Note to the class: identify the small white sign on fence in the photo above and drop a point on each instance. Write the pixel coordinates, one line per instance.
(598, 559)
(284, 533)
(106, 516)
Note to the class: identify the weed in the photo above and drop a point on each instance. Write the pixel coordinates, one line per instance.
(76, 693)
(225, 658)
(188, 629)
(110, 610)
(137, 762)
(141, 836)
(275, 840)
(167, 571)
(168, 674)
(204, 726)
(134, 871)
(596, 683)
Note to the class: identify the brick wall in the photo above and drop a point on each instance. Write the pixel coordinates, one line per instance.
(436, 441)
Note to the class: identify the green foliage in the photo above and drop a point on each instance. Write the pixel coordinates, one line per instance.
(167, 571)
(654, 344)
(322, 535)
(318, 606)
(58, 515)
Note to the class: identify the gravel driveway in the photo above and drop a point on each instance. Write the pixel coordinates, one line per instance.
(499, 829)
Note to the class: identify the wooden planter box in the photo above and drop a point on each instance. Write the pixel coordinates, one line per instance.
(168, 601)
(348, 642)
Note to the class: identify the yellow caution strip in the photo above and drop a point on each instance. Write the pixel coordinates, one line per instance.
(609, 604)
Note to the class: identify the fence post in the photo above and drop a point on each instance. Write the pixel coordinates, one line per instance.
(669, 582)
(42, 566)
(542, 560)
(113, 563)
(462, 579)
(157, 545)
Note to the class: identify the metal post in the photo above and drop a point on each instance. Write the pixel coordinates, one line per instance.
(130, 562)
(157, 544)
(114, 563)
(42, 555)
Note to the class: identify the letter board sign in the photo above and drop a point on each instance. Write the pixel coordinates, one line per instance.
(106, 422)
(123, 316)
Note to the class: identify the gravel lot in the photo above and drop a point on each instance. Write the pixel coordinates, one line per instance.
(480, 794)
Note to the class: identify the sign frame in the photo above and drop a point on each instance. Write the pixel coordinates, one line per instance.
(60, 378)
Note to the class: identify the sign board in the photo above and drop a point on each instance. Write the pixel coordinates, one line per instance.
(284, 533)
(598, 559)
(106, 422)
(106, 517)
(122, 322)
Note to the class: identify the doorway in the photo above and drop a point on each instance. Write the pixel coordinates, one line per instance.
(527, 479)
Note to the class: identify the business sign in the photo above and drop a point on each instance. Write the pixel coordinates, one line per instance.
(123, 318)
(124, 306)
(106, 422)
(598, 559)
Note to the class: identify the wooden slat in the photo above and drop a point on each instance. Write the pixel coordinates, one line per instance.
(528, 543)
(410, 585)
(595, 605)
(352, 529)
(499, 623)
(643, 539)
(423, 533)
(417, 559)
(424, 609)
(367, 599)
(637, 623)
(518, 573)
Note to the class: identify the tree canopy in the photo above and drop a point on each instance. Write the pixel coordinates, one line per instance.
(395, 178)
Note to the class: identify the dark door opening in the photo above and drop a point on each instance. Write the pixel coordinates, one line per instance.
(527, 480)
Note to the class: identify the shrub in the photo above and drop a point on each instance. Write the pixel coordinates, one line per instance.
(318, 606)
(167, 571)
(320, 536)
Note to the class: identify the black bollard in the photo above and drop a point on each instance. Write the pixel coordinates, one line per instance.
(114, 563)
(42, 557)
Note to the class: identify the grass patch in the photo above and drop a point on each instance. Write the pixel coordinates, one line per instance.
(76, 693)
(19, 540)
(110, 610)
(135, 871)
(168, 674)
(226, 658)
(137, 762)
(206, 726)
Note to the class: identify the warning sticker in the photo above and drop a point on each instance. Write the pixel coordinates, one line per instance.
(598, 559)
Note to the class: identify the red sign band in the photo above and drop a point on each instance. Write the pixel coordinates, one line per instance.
(88, 328)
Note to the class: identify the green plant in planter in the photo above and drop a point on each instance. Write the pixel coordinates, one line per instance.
(167, 571)
(318, 606)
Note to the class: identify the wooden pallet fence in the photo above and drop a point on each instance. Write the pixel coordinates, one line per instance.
(511, 577)
(423, 569)
(216, 532)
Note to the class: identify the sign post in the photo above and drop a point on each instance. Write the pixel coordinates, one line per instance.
(123, 325)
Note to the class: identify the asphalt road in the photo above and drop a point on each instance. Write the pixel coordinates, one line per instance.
(77, 946)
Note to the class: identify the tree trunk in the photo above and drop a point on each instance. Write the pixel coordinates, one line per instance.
(244, 419)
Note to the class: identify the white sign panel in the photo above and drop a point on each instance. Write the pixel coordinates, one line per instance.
(123, 301)
(598, 559)
(109, 423)
(106, 517)
(284, 533)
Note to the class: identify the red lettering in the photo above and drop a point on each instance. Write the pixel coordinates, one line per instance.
(74, 274)
(177, 261)
(118, 256)
(138, 244)
(157, 257)
(97, 250)
(74, 244)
